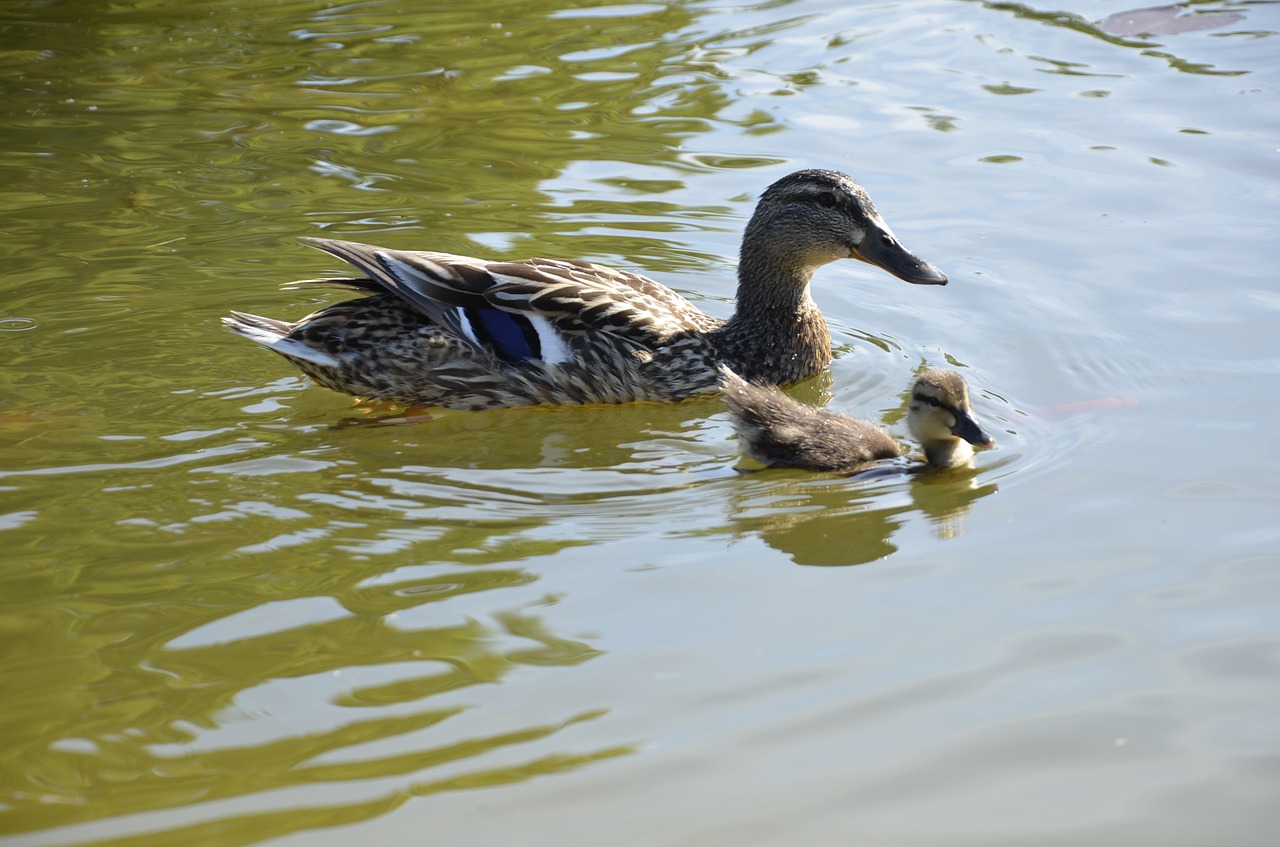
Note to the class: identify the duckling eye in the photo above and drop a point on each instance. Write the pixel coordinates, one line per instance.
(826, 199)
(925, 398)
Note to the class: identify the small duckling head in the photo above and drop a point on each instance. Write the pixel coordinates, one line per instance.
(812, 217)
(941, 419)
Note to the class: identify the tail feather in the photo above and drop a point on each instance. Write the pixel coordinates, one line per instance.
(730, 381)
(260, 329)
(274, 335)
(363, 285)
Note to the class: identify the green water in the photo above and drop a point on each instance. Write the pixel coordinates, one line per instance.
(239, 609)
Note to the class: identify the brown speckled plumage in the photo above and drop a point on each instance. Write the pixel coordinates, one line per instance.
(582, 333)
(780, 432)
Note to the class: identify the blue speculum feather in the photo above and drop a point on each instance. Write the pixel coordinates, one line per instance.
(512, 337)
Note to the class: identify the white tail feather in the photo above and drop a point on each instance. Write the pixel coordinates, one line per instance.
(271, 334)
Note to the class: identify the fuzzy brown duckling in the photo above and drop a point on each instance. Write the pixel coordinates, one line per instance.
(781, 432)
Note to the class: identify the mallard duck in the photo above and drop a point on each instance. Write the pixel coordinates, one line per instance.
(780, 432)
(467, 333)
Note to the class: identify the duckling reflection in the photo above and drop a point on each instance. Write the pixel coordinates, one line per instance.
(779, 432)
(817, 520)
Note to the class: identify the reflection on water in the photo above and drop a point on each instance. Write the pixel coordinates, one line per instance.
(1166, 20)
(217, 689)
(231, 617)
(852, 521)
(266, 622)
(1120, 28)
(619, 437)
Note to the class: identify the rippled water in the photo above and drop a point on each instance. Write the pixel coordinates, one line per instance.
(241, 610)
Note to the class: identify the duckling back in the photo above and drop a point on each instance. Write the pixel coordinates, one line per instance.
(781, 432)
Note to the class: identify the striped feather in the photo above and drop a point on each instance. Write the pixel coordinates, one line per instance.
(573, 298)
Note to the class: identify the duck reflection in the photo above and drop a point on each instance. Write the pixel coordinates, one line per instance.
(852, 521)
(588, 437)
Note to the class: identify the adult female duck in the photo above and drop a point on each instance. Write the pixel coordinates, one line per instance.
(468, 333)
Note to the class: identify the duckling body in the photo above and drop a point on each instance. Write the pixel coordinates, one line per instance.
(780, 432)
(468, 333)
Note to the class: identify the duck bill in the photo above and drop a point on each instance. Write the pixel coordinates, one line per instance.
(880, 247)
(968, 429)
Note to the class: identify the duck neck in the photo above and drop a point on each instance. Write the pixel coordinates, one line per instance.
(947, 454)
(777, 334)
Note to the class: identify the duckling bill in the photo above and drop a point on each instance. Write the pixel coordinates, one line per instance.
(780, 432)
(468, 333)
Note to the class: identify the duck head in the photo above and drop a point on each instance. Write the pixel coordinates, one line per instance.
(812, 217)
(941, 419)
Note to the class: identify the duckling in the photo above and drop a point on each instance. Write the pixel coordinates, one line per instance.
(457, 331)
(780, 432)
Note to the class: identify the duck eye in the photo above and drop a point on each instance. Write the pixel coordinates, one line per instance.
(925, 398)
(826, 200)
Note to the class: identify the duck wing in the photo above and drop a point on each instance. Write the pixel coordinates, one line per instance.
(524, 309)
(581, 298)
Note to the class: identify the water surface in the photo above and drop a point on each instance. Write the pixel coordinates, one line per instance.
(239, 612)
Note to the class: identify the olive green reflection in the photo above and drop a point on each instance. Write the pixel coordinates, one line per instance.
(192, 538)
(375, 117)
(615, 436)
(850, 521)
(164, 725)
